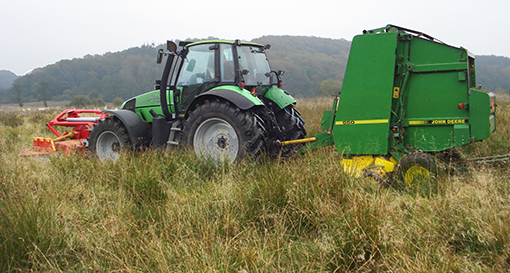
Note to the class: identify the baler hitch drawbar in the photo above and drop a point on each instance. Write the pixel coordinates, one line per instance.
(296, 141)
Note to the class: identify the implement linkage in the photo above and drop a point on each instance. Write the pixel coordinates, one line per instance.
(489, 159)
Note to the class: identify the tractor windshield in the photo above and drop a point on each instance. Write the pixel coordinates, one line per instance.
(253, 59)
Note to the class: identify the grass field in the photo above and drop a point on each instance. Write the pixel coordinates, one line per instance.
(153, 212)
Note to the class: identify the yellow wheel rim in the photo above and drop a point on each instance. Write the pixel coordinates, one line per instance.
(416, 175)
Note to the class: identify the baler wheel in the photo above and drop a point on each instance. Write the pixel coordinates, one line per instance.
(417, 169)
(375, 176)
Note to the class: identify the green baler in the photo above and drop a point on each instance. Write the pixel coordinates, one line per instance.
(405, 95)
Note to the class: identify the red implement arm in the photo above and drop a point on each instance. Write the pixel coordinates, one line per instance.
(67, 142)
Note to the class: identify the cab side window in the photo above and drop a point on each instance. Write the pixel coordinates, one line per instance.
(198, 66)
(227, 63)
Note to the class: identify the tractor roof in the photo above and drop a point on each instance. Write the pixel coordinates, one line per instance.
(222, 42)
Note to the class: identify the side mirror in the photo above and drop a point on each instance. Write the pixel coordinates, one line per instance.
(275, 78)
(160, 56)
(191, 65)
(171, 46)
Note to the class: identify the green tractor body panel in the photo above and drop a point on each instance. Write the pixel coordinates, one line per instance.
(405, 93)
(151, 101)
(144, 103)
(246, 94)
(280, 97)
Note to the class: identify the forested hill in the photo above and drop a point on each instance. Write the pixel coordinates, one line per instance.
(307, 62)
(122, 74)
(6, 79)
(493, 73)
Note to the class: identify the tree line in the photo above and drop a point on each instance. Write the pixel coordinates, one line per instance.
(493, 73)
(313, 67)
(123, 74)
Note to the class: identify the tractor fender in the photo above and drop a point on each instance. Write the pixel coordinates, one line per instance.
(279, 98)
(139, 131)
(241, 98)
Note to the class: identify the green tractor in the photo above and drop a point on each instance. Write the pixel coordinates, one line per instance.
(218, 97)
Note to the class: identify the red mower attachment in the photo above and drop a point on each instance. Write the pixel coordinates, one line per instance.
(67, 142)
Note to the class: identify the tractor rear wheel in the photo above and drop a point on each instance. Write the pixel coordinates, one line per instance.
(108, 139)
(292, 126)
(417, 169)
(220, 131)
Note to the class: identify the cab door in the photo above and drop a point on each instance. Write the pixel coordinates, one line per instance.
(198, 73)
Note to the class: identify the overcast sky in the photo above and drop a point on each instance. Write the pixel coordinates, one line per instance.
(35, 33)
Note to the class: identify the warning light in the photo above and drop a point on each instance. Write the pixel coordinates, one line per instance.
(461, 106)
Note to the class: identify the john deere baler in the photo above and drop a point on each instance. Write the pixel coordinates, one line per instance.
(405, 92)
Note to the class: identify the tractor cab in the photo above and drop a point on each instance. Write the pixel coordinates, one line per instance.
(204, 65)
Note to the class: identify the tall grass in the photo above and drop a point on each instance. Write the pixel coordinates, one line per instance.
(156, 212)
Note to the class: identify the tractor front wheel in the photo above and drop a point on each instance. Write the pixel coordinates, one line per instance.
(108, 139)
(293, 128)
(220, 131)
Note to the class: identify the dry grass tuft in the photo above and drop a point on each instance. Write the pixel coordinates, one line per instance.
(151, 212)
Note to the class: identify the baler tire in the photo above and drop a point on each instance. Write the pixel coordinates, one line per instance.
(220, 131)
(417, 169)
(375, 176)
(292, 124)
(108, 139)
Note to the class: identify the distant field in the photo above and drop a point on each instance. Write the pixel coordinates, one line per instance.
(33, 107)
(171, 212)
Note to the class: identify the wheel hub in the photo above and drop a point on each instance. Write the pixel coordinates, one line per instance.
(215, 138)
(108, 146)
(417, 175)
(222, 142)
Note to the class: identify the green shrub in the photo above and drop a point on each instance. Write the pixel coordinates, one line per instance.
(117, 101)
(80, 101)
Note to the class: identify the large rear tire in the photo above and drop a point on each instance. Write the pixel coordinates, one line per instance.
(220, 131)
(108, 139)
